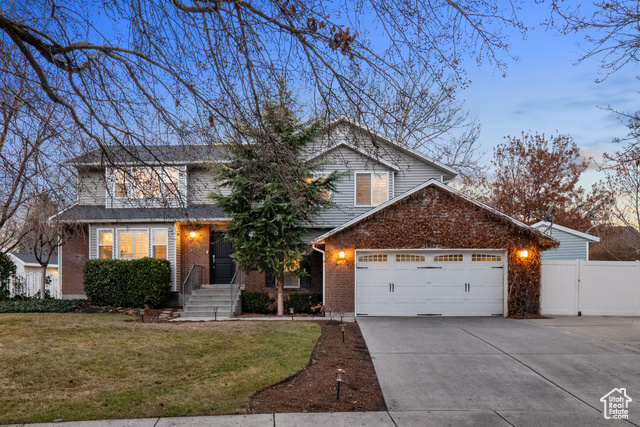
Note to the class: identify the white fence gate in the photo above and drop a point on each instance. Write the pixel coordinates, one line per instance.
(604, 288)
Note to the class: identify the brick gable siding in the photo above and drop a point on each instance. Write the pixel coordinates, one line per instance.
(435, 218)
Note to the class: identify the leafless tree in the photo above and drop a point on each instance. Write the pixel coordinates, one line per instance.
(140, 73)
(44, 235)
(623, 184)
(33, 139)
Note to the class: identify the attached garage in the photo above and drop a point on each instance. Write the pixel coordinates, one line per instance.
(433, 252)
(430, 283)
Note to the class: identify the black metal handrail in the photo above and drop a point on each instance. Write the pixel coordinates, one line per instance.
(234, 289)
(192, 282)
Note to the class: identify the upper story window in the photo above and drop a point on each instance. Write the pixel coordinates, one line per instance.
(371, 188)
(146, 182)
(326, 194)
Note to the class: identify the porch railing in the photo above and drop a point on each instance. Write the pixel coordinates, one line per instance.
(192, 282)
(234, 289)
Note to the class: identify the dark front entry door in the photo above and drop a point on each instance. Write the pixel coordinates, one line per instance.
(222, 265)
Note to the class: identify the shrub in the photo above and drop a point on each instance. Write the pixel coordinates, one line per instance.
(301, 303)
(133, 283)
(36, 305)
(258, 302)
(7, 272)
(263, 303)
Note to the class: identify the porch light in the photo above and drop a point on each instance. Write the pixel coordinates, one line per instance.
(339, 373)
(523, 253)
(193, 234)
(341, 255)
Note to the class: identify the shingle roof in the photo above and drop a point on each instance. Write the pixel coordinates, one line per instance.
(150, 154)
(31, 259)
(86, 213)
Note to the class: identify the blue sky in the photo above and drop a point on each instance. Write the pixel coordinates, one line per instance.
(546, 91)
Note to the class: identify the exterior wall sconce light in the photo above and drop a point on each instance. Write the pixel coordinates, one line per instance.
(193, 234)
(341, 255)
(523, 253)
(339, 374)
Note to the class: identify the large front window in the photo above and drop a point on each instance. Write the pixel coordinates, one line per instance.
(133, 244)
(371, 188)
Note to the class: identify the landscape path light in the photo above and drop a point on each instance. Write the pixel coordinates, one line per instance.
(215, 314)
(341, 314)
(342, 325)
(291, 311)
(339, 373)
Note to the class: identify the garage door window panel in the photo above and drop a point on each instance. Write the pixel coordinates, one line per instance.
(373, 258)
(449, 258)
(485, 258)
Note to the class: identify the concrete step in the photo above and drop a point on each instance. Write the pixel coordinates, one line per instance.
(211, 297)
(204, 313)
(209, 301)
(212, 293)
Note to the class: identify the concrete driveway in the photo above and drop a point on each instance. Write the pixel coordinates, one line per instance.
(496, 371)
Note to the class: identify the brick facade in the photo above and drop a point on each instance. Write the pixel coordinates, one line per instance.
(435, 218)
(255, 281)
(74, 254)
(194, 249)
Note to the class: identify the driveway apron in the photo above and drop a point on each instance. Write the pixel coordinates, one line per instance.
(496, 371)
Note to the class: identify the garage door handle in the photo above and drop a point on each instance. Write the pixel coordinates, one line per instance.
(393, 287)
(389, 287)
(425, 268)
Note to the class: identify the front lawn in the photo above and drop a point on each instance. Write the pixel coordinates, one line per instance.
(98, 366)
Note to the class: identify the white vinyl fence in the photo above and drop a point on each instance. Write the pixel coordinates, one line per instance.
(29, 279)
(601, 288)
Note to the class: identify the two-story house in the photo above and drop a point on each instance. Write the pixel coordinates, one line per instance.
(397, 239)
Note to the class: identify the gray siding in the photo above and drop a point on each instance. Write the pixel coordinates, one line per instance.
(91, 187)
(171, 241)
(344, 209)
(200, 184)
(571, 247)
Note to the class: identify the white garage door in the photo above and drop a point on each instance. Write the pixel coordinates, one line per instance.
(414, 283)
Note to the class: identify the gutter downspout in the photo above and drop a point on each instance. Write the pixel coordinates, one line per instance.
(324, 270)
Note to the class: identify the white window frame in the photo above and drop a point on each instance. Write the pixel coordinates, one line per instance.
(153, 243)
(129, 182)
(355, 187)
(98, 245)
(297, 281)
(133, 231)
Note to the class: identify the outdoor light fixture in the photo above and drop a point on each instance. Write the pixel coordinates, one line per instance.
(341, 314)
(342, 325)
(193, 234)
(339, 373)
(215, 313)
(523, 253)
(341, 255)
(291, 311)
(330, 313)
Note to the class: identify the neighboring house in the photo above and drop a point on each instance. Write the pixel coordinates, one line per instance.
(573, 243)
(29, 273)
(396, 241)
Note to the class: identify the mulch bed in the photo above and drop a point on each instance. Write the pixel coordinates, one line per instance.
(314, 388)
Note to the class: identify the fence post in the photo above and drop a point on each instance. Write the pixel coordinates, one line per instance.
(578, 271)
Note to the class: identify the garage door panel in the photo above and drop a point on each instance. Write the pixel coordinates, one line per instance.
(429, 282)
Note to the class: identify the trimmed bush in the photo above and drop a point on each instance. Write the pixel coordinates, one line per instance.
(36, 305)
(263, 303)
(131, 283)
(258, 303)
(301, 303)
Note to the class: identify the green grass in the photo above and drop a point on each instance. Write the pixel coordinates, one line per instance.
(97, 366)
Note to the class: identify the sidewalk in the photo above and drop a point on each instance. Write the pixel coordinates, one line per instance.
(333, 419)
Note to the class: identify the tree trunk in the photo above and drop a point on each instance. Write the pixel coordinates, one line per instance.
(281, 296)
(43, 279)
